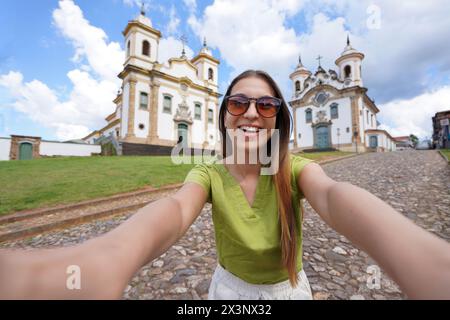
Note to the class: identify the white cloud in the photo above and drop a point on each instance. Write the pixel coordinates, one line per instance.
(95, 83)
(411, 40)
(171, 47)
(41, 104)
(406, 116)
(90, 42)
(191, 5)
(250, 34)
(174, 21)
(402, 55)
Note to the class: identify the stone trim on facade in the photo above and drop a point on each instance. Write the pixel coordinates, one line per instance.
(16, 141)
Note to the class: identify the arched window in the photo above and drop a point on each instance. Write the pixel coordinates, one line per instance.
(297, 85)
(210, 116)
(334, 111)
(128, 48)
(308, 115)
(143, 101)
(198, 111)
(348, 72)
(210, 74)
(167, 104)
(146, 48)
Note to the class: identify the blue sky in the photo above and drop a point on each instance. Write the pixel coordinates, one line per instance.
(45, 91)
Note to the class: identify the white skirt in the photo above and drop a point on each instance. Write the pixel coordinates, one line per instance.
(226, 286)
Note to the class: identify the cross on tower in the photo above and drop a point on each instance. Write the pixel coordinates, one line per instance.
(319, 58)
(183, 40)
(143, 8)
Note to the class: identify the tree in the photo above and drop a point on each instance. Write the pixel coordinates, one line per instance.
(413, 139)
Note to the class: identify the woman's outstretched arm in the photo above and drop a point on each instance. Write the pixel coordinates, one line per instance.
(415, 258)
(106, 263)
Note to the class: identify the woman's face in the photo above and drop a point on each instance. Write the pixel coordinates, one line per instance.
(251, 87)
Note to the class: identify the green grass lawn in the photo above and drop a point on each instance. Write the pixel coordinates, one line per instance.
(44, 182)
(446, 152)
(324, 155)
(47, 182)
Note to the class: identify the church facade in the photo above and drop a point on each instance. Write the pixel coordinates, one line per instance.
(331, 110)
(161, 104)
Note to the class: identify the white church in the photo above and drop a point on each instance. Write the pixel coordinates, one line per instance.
(161, 104)
(331, 110)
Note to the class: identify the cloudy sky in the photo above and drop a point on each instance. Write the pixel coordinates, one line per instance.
(59, 60)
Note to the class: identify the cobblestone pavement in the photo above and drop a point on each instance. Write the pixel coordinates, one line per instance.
(416, 183)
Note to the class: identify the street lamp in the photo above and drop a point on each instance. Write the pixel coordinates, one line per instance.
(338, 134)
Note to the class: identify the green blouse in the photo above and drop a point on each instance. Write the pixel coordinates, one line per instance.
(248, 237)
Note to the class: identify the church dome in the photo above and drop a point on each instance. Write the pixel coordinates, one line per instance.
(300, 69)
(349, 53)
(349, 49)
(205, 49)
(142, 18)
(300, 66)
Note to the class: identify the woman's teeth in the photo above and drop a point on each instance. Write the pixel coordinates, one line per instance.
(249, 129)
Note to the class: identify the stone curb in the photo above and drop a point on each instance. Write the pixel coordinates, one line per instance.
(64, 223)
(340, 158)
(14, 235)
(444, 156)
(26, 214)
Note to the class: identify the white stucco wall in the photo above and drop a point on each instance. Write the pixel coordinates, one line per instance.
(141, 115)
(166, 126)
(5, 147)
(91, 139)
(48, 148)
(182, 69)
(342, 122)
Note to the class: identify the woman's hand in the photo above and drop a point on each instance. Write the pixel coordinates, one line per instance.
(416, 259)
(106, 264)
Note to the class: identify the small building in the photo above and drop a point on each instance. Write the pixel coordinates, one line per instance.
(27, 147)
(403, 142)
(379, 141)
(441, 131)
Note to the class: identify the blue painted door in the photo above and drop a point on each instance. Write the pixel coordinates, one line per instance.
(183, 134)
(26, 151)
(322, 138)
(373, 141)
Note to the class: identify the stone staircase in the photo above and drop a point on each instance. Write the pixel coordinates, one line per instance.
(111, 139)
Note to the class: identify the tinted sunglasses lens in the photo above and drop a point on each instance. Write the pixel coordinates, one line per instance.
(237, 105)
(268, 107)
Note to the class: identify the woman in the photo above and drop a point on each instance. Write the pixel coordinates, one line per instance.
(251, 213)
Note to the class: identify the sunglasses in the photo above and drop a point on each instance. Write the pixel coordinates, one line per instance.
(266, 106)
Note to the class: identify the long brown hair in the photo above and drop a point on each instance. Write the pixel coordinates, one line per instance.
(282, 178)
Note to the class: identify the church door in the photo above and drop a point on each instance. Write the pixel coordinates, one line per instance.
(26, 151)
(322, 137)
(183, 134)
(373, 141)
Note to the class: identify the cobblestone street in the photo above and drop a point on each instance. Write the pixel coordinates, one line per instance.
(416, 183)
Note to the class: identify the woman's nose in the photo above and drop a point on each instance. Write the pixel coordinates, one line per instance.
(251, 112)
